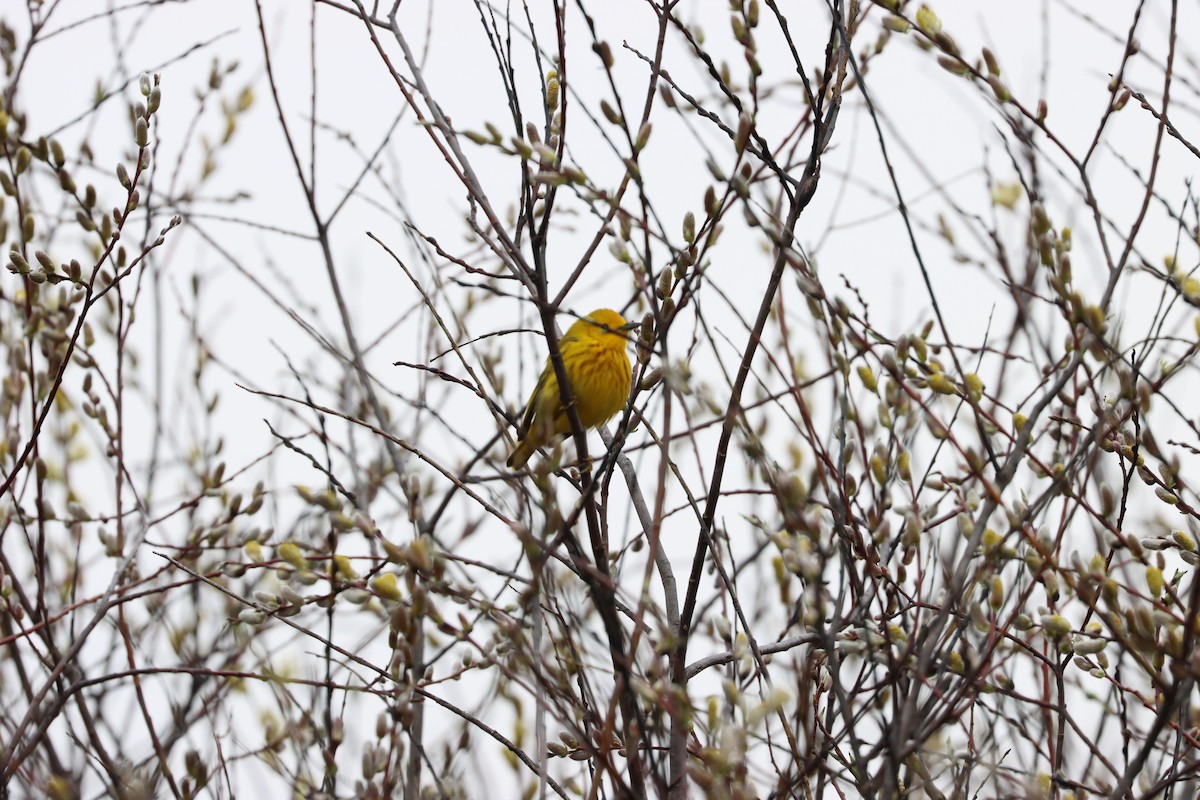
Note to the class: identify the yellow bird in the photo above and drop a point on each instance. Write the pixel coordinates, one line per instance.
(597, 367)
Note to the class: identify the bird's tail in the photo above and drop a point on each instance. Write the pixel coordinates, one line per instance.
(521, 455)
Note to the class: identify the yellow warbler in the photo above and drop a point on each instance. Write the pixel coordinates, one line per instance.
(593, 352)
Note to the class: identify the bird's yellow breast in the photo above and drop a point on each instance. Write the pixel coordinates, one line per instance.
(600, 376)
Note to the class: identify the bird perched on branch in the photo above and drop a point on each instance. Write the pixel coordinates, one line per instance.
(597, 368)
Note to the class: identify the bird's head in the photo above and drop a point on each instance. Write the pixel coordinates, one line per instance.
(604, 322)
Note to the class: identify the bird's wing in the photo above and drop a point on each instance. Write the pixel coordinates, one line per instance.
(536, 394)
(534, 397)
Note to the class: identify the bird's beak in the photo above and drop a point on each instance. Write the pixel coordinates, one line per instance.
(630, 326)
